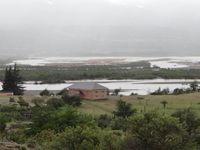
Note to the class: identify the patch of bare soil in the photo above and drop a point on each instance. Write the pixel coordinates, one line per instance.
(9, 146)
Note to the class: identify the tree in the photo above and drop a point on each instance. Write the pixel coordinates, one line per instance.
(153, 131)
(164, 103)
(37, 101)
(178, 91)
(161, 92)
(22, 102)
(124, 109)
(55, 103)
(45, 118)
(194, 86)
(12, 100)
(62, 92)
(86, 138)
(45, 92)
(3, 122)
(13, 81)
(116, 92)
(76, 138)
(189, 118)
(74, 101)
(104, 121)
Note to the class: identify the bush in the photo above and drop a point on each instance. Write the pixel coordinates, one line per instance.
(55, 103)
(156, 131)
(17, 136)
(124, 109)
(22, 102)
(86, 138)
(104, 121)
(189, 119)
(12, 100)
(57, 120)
(116, 92)
(45, 93)
(74, 101)
(161, 92)
(178, 91)
(62, 92)
(37, 101)
(119, 124)
(3, 121)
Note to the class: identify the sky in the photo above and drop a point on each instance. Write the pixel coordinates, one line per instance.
(99, 28)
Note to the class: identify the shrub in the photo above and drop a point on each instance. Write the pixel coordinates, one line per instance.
(22, 102)
(55, 103)
(74, 101)
(161, 92)
(156, 131)
(45, 93)
(116, 92)
(62, 92)
(104, 121)
(124, 109)
(12, 100)
(178, 91)
(37, 101)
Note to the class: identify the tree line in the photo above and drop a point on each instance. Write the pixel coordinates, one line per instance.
(13, 81)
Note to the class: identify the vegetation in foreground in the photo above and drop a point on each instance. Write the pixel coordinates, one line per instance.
(58, 123)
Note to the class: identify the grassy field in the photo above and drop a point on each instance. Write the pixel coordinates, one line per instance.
(145, 103)
(141, 103)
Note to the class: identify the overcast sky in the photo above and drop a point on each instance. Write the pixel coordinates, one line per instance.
(100, 27)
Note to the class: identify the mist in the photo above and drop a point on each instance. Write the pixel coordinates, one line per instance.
(99, 28)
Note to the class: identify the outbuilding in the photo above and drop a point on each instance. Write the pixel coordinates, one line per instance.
(88, 90)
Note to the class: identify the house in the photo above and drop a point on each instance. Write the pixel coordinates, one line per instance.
(88, 90)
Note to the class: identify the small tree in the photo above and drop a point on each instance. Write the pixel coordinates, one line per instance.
(3, 122)
(164, 103)
(62, 92)
(55, 103)
(104, 121)
(189, 118)
(124, 109)
(45, 93)
(12, 100)
(74, 101)
(194, 86)
(22, 102)
(178, 91)
(154, 131)
(37, 101)
(116, 92)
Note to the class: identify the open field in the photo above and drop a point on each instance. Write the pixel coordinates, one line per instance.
(145, 103)
(141, 103)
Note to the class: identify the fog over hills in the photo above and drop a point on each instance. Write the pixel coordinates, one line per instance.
(99, 28)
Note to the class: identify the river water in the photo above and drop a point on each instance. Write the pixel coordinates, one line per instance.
(141, 87)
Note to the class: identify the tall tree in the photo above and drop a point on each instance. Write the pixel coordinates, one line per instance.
(13, 81)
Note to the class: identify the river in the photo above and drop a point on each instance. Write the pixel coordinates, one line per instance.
(141, 87)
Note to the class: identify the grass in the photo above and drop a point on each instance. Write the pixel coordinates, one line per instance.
(141, 103)
(145, 103)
